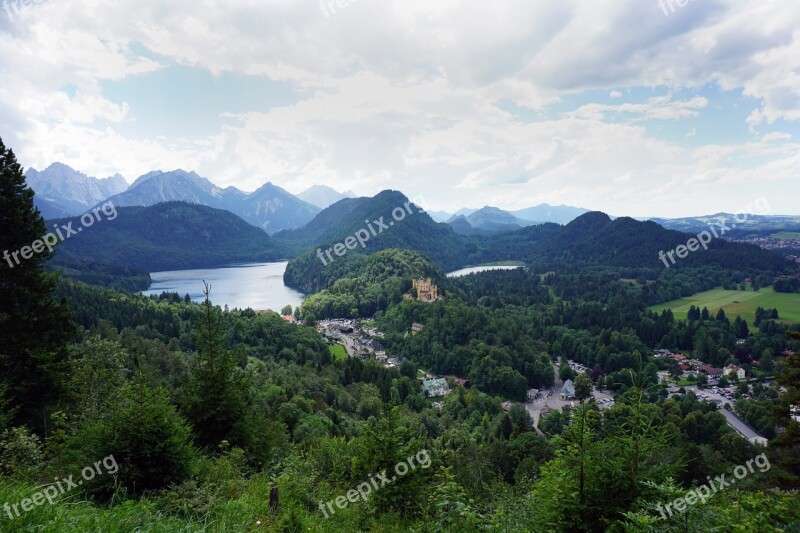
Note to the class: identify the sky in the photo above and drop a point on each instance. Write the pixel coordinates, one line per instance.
(631, 107)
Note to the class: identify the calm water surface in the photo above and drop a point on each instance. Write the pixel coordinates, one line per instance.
(472, 270)
(258, 286)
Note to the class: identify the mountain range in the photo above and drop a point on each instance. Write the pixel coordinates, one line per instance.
(740, 224)
(487, 220)
(183, 235)
(593, 238)
(63, 191)
(270, 207)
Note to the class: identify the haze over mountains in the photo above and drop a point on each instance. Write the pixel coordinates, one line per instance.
(182, 235)
(270, 208)
(180, 220)
(62, 192)
(323, 196)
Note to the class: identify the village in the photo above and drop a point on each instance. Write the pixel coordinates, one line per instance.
(362, 339)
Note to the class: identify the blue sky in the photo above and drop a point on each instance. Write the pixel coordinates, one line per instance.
(617, 107)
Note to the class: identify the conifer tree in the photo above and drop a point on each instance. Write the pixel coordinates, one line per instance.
(35, 327)
(218, 394)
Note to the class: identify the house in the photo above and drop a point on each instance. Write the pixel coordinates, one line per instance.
(416, 327)
(713, 374)
(735, 370)
(435, 387)
(506, 405)
(568, 390)
(370, 346)
(663, 377)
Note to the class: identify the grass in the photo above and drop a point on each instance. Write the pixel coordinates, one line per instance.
(337, 351)
(742, 303)
(786, 235)
(74, 513)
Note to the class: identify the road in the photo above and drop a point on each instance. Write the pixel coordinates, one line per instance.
(733, 421)
(554, 402)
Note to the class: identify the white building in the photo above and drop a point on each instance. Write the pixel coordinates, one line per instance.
(735, 370)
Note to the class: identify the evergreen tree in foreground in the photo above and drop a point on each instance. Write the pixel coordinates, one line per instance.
(34, 326)
(217, 397)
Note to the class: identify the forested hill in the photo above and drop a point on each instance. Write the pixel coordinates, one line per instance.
(416, 231)
(167, 236)
(593, 238)
(364, 285)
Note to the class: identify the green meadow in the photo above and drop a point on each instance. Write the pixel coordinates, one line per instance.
(337, 351)
(742, 303)
(786, 235)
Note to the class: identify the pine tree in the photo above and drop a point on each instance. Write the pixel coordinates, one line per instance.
(146, 436)
(34, 326)
(218, 394)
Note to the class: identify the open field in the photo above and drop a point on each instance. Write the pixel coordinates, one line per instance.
(786, 235)
(742, 303)
(338, 351)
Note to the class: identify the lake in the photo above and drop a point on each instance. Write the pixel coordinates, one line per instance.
(255, 285)
(258, 285)
(473, 270)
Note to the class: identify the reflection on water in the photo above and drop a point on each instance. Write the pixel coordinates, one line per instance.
(258, 286)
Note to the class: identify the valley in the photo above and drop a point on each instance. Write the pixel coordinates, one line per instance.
(393, 266)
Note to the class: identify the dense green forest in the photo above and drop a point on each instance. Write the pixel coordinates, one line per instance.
(158, 414)
(591, 242)
(166, 236)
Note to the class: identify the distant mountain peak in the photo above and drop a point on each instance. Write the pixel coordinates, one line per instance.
(60, 189)
(323, 196)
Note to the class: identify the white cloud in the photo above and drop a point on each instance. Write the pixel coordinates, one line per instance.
(776, 136)
(408, 94)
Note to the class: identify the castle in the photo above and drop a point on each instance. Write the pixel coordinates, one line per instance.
(426, 290)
